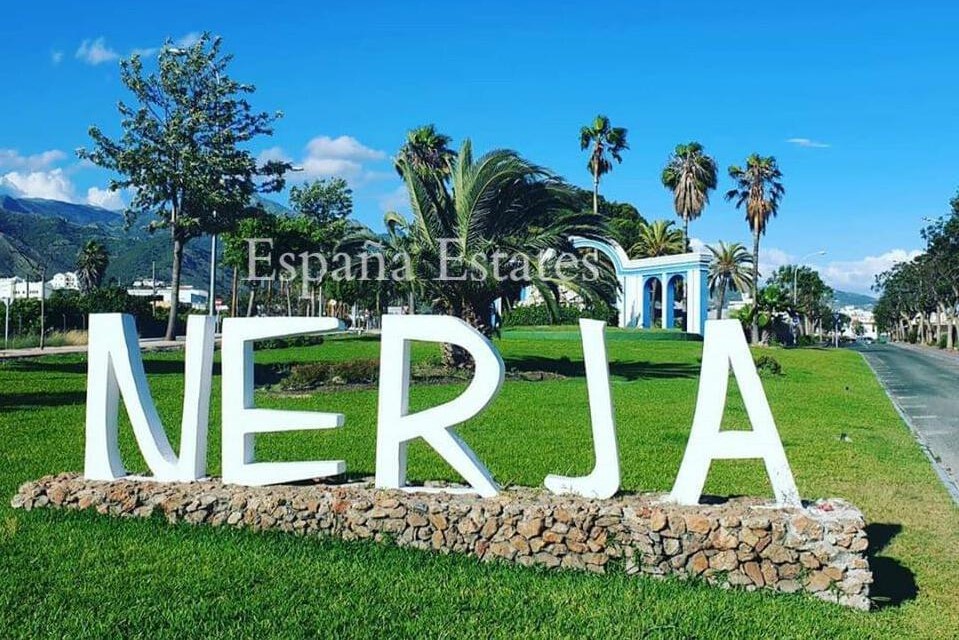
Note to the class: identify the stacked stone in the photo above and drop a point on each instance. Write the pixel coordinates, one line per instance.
(820, 549)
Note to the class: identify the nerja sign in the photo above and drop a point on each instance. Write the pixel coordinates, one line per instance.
(116, 369)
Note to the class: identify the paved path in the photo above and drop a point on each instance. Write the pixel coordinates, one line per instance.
(146, 344)
(924, 386)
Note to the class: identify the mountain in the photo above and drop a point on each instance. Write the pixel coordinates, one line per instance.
(51, 233)
(849, 299)
(81, 214)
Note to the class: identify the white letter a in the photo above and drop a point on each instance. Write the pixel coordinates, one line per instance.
(725, 346)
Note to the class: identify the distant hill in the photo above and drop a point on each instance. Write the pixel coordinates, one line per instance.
(51, 233)
(849, 299)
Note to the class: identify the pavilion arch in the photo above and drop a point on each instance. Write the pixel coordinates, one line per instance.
(637, 308)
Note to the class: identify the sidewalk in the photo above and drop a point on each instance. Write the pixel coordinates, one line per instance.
(146, 344)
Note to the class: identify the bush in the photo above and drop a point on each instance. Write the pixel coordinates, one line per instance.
(305, 377)
(805, 341)
(768, 365)
(913, 336)
(942, 341)
(538, 315)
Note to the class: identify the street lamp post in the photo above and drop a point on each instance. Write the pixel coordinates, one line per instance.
(796, 271)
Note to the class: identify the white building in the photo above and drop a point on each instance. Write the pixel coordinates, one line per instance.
(66, 280)
(195, 298)
(16, 288)
(862, 317)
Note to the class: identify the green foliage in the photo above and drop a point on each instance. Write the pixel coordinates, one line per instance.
(325, 201)
(768, 365)
(658, 238)
(541, 315)
(690, 175)
(729, 270)
(92, 261)
(605, 142)
(426, 149)
(305, 377)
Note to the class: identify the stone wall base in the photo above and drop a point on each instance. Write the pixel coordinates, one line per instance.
(820, 549)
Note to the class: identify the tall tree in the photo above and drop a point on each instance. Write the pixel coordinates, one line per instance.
(180, 150)
(92, 262)
(759, 189)
(498, 225)
(426, 149)
(657, 238)
(729, 270)
(326, 200)
(690, 174)
(605, 143)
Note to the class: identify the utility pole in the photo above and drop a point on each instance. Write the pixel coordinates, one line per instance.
(43, 299)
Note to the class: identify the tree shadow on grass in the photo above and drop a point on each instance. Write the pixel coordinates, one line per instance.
(629, 370)
(20, 401)
(152, 367)
(893, 582)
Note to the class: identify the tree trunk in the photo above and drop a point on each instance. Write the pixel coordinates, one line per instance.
(685, 234)
(174, 289)
(234, 294)
(722, 301)
(754, 326)
(250, 303)
(456, 357)
(595, 189)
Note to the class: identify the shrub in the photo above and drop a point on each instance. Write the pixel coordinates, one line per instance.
(538, 315)
(768, 365)
(305, 377)
(942, 341)
(805, 341)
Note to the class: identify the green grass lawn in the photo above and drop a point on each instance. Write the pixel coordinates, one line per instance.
(78, 574)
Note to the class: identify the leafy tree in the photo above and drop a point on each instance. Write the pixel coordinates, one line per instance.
(326, 201)
(658, 238)
(426, 149)
(180, 147)
(759, 189)
(810, 297)
(729, 270)
(605, 143)
(502, 223)
(623, 219)
(92, 261)
(690, 174)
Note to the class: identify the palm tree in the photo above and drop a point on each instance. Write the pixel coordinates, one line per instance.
(426, 149)
(510, 222)
(758, 187)
(729, 270)
(607, 144)
(92, 261)
(657, 238)
(690, 174)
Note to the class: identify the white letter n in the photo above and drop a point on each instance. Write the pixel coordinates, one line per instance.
(115, 368)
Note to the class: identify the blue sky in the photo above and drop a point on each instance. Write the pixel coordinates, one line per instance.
(857, 100)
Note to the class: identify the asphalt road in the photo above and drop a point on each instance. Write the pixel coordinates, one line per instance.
(924, 386)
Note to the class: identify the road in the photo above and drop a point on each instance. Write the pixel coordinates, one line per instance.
(924, 386)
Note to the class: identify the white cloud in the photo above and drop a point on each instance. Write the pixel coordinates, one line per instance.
(859, 275)
(187, 40)
(808, 143)
(12, 159)
(96, 52)
(105, 198)
(56, 57)
(52, 185)
(144, 52)
(396, 200)
(342, 148)
(856, 276)
(325, 157)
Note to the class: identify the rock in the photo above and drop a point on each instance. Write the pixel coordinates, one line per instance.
(724, 561)
(818, 581)
(697, 523)
(698, 563)
(530, 528)
(752, 570)
(657, 521)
